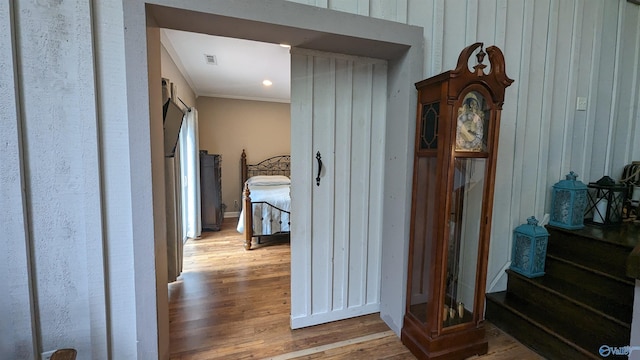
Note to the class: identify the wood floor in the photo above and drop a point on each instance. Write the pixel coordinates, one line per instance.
(234, 304)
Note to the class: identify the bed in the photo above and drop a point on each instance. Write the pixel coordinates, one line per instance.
(266, 200)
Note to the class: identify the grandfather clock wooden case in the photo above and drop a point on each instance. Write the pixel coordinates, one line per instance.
(456, 143)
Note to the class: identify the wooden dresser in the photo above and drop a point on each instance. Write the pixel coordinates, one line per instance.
(211, 190)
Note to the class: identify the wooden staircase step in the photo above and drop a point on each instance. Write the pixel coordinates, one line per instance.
(591, 285)
(601, 249)
(584, 300)
(515, 316)
(589, 327)
(612, 306)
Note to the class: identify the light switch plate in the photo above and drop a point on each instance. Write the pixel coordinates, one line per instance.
(581, 104)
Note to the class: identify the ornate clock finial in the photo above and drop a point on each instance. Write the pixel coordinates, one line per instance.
(479, 68)
(480, 56)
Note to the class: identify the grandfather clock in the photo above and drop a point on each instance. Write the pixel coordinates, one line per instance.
(456, 145)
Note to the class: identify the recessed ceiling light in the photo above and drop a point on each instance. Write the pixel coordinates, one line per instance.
(267, 83)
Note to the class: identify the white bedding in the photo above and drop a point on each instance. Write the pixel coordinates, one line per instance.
(267, 220)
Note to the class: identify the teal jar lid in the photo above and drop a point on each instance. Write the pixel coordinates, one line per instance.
(532, 229)
(570, 183)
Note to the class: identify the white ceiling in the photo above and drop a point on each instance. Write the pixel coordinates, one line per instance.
(241, 67)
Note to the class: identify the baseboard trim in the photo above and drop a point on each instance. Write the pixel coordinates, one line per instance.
(321, 318)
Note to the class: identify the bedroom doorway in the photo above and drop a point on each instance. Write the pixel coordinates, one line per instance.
(234, 120)
(360, 36)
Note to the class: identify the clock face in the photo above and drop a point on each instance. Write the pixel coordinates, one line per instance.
(471, 124)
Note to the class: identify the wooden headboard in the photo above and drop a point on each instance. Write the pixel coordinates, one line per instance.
(276, 165)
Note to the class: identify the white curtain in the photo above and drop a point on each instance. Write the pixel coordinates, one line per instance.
(190, 174)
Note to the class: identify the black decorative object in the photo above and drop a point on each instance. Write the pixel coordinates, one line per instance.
(319, 158)
(605, 201)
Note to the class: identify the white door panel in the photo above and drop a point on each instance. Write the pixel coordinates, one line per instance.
(337, 110)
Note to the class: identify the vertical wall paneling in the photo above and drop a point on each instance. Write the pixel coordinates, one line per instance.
(344, 98)
(435, 30)
(604, 72)
(556, 51)
(626, 91)
(322, 200)
(564, 60)
(117, 195)
(520, 157)
(360, 130)
(634, 116)
(381, 9)
(394, 10)
(454, 27)
(302, 168)
(533, 130)
(376, 176)
(421, 13)
(364, 7)
(500, 21)
(317, 3)
(473, 16)
(63, 185)
(17, 328)
(578, 86)
(402, 11)
(342, 220)
(615, 89)
(487, 24)
(580, 128)
(547, 99)
(505, 197)
(360, 7)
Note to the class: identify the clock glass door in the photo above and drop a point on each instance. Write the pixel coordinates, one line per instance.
(424, 212)
(463, 240)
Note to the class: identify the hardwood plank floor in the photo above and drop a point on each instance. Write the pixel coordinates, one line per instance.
(234, 304)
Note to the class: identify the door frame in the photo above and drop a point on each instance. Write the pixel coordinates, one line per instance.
(275, 21)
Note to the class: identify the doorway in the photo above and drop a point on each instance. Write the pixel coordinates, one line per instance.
(236, 116)
(279, 21)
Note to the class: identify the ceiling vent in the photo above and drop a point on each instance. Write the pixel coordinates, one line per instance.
(211, 59)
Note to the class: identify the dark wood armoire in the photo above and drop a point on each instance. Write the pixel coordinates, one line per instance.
(458, 120)
(211, 191)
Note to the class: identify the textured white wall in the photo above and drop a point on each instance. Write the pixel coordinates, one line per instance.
(17, 338)
(59, 145)
(76, 173)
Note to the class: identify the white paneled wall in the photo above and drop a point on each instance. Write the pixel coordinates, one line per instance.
(77, 233)
(17, 339)
(557, 51)
(54, 216)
